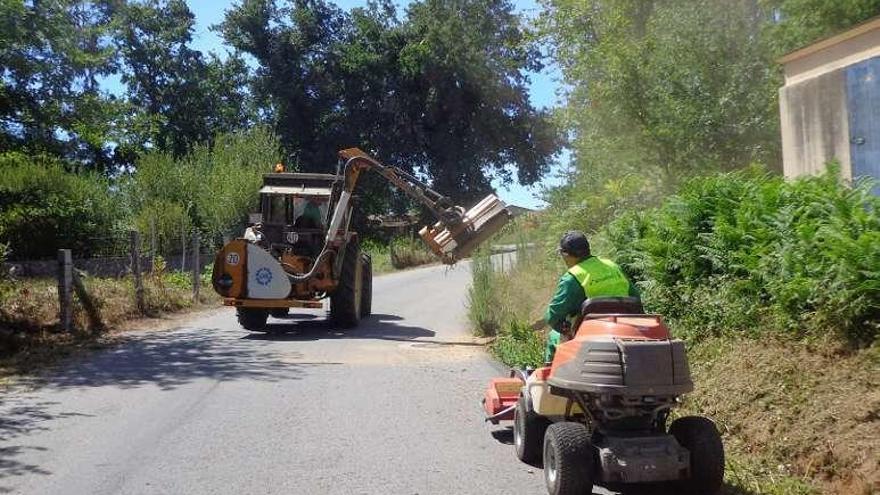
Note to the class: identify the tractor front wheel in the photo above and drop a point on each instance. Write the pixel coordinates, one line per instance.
(345, 302)
(253, 319)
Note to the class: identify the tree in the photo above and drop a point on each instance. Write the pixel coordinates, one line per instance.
(667, 89)
(800, 22)
(441, 93)
(188, 98)
(52, 56)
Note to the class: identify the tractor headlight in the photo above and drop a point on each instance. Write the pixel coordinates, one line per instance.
(224, 283)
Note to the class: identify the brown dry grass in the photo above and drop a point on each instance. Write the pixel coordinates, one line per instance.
(803, 410)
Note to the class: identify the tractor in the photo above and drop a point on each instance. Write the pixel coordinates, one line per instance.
(299, 249)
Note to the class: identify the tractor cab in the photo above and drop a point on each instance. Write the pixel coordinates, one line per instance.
(295, 210)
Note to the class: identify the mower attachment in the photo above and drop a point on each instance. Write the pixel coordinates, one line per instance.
(478, 224)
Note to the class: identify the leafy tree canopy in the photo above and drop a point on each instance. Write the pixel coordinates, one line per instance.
(442, 92)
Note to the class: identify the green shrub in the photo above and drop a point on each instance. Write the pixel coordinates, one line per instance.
(748, 251)
(519, 346)
(379, 253)
(44, 208)
(407, 251)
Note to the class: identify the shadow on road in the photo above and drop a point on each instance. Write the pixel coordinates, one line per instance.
(20, 417)
(310, 327)
(171, 359)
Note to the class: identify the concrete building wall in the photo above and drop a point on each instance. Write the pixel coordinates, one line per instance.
(830, 94)
(815, 125)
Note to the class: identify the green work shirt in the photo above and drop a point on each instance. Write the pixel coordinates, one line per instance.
(570, 294)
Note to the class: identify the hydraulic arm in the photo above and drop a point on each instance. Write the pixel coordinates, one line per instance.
(457, 232)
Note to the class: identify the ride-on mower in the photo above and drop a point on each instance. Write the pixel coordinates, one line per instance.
(300, 250)
(598, 413)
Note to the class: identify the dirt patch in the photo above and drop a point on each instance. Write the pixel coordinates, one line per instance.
(796, 410)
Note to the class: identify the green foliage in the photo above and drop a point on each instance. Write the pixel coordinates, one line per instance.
(52, 55)
(804, 21)
(43, 208)
(187, 97)
(406, 252)
(441, 93)
(669, 90)
(749, 252)
(379, 254)
(519, 346)
(483, 307)
(212, 188)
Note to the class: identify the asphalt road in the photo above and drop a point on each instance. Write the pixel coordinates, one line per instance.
(389, 408)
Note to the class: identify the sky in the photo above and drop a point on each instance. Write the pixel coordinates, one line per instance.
(543, 89)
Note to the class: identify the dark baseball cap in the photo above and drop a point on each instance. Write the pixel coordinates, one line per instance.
(575, 243)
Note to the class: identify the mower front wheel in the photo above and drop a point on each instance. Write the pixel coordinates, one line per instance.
(700, 436)
(528, 432)
(569, 460)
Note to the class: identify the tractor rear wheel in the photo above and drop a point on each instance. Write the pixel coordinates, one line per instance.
(253, 319)
(528, 432)
(367, 287)
(700, 436)
(569, 461)
(345, 302)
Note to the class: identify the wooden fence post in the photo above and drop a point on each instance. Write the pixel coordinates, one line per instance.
(136, 270)
(153, 244)
(65, 289)
(183, 248)
(197, 266)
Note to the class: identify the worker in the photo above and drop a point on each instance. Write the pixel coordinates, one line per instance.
(254, 233)
(312, 217)
(587, 276)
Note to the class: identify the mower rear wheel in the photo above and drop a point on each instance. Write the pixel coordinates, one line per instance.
(345, 302)
(253, 319)
(528, 432)
(700, 436)
(569, 460)
(367, 287)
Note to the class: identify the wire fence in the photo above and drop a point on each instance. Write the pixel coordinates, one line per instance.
(111, 255)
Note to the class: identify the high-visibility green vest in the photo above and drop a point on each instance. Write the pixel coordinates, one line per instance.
(600, 278)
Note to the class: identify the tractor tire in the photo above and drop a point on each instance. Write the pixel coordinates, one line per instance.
(700, 436)
(367, 287)
(253, 319)
(345, 301)
(528, 432)
(279, 312)
(569, 459)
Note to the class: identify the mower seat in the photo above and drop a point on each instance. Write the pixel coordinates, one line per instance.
(612, 306)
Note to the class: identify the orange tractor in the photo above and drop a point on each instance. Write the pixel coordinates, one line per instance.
(300, 250)
(598, 413)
